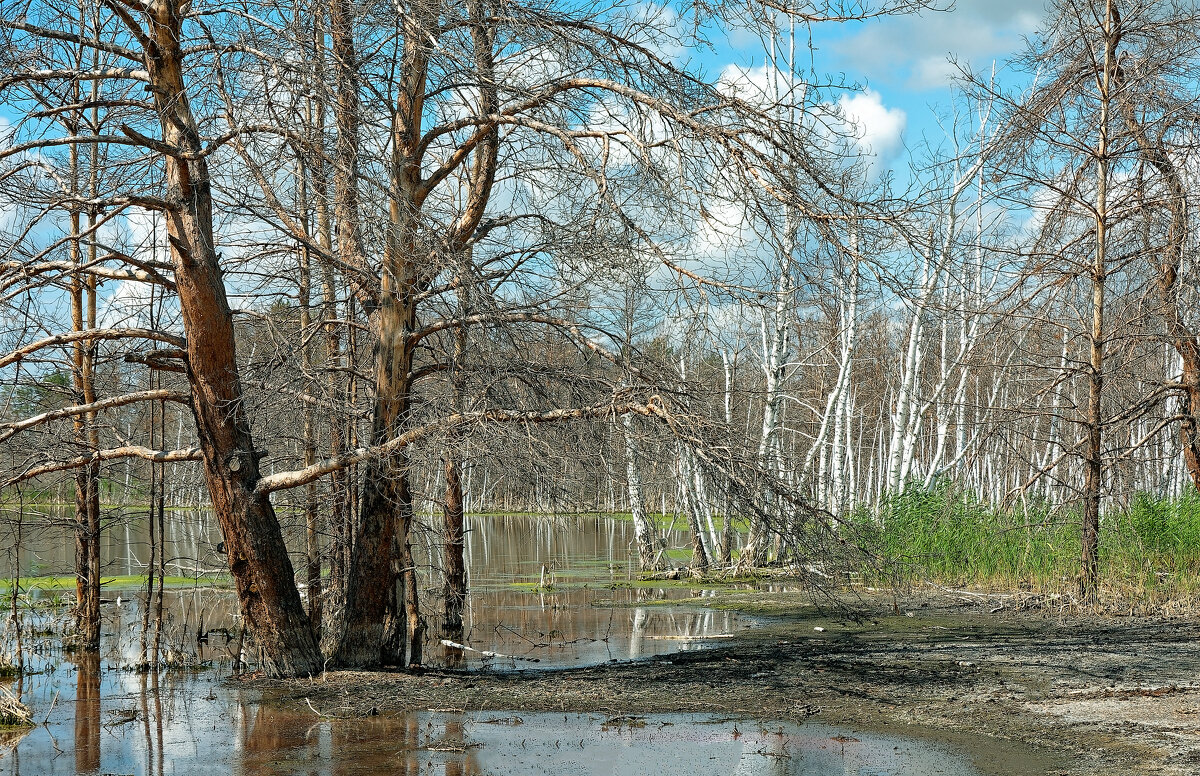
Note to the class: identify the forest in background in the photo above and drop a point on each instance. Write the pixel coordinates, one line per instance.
(356, 265)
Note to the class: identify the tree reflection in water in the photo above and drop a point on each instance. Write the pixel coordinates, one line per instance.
(87, 712)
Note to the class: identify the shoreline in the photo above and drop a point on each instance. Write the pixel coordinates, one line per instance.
(1018, 691)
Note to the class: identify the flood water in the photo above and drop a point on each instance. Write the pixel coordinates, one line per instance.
(254, 739)
(543, 591)
(102, 717)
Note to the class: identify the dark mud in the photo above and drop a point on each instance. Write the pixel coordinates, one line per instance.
(1019, 692)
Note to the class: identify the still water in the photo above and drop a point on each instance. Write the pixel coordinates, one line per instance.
(543, 591)
(100, 717)
(251, 739)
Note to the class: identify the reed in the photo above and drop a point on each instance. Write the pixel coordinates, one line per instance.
(1149, 548)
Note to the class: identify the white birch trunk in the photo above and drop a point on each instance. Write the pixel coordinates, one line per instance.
(651, 549)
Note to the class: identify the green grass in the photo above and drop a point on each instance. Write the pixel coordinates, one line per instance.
(946, 536)
(124, 582)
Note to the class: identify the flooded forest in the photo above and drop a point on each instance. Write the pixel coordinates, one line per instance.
(523, 386)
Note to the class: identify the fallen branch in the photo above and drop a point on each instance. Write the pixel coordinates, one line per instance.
(298, 477)
(486, 653)
(13, 713)
(87, 335)
(8, 429)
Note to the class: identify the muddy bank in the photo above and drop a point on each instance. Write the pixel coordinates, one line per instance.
(1021, 692)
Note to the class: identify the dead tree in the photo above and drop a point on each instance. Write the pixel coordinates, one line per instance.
(152, 51)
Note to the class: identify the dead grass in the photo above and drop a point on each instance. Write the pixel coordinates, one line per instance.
(13, 713)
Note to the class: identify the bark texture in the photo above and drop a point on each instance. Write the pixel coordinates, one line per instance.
(262, 572)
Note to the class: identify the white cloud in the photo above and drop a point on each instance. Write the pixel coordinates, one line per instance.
(877, 128)
(140, 233)
(129, 304)
(762, 85)
(722, 233)
(917, 49)
(929, 72)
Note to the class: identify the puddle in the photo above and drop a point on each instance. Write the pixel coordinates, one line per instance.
(585, 616)
(588, 744)
(201, 736)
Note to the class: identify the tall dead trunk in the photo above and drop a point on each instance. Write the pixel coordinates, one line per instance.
(258, 560)
(311, 516)
(336, 363)
(412, 607)
(408, 267)
(371, 579)
(775, 349)
(725, 553)
(481, 178)
(454, 568)
(453, 533)
(402, 629)
(87, 478)
(1093, 451)
(1184, 340)
(652, 551)
(344, 647)
(690, 499)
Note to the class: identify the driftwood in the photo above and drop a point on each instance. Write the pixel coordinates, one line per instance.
(486, 653)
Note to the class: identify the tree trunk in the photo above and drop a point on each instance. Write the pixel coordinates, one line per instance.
(1183, 339)
(311, 517)
(1093, 451)
(370, 578)
(775, 351)
(454, 564)
(454, 569)
(397, 628)
(652, 555)
(87, 479)
(339, 490)
(258, 560)
(87, 491)
(695, 510)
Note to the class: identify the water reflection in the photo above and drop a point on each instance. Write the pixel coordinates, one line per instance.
(195, 723)
(543, 592)
(87, 713)
(192, 719)
(457, 744)
(46, 546)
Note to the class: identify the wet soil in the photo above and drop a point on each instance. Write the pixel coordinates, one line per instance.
(1019, 691)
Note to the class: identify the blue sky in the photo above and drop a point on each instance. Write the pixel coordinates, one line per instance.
(903, 63)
